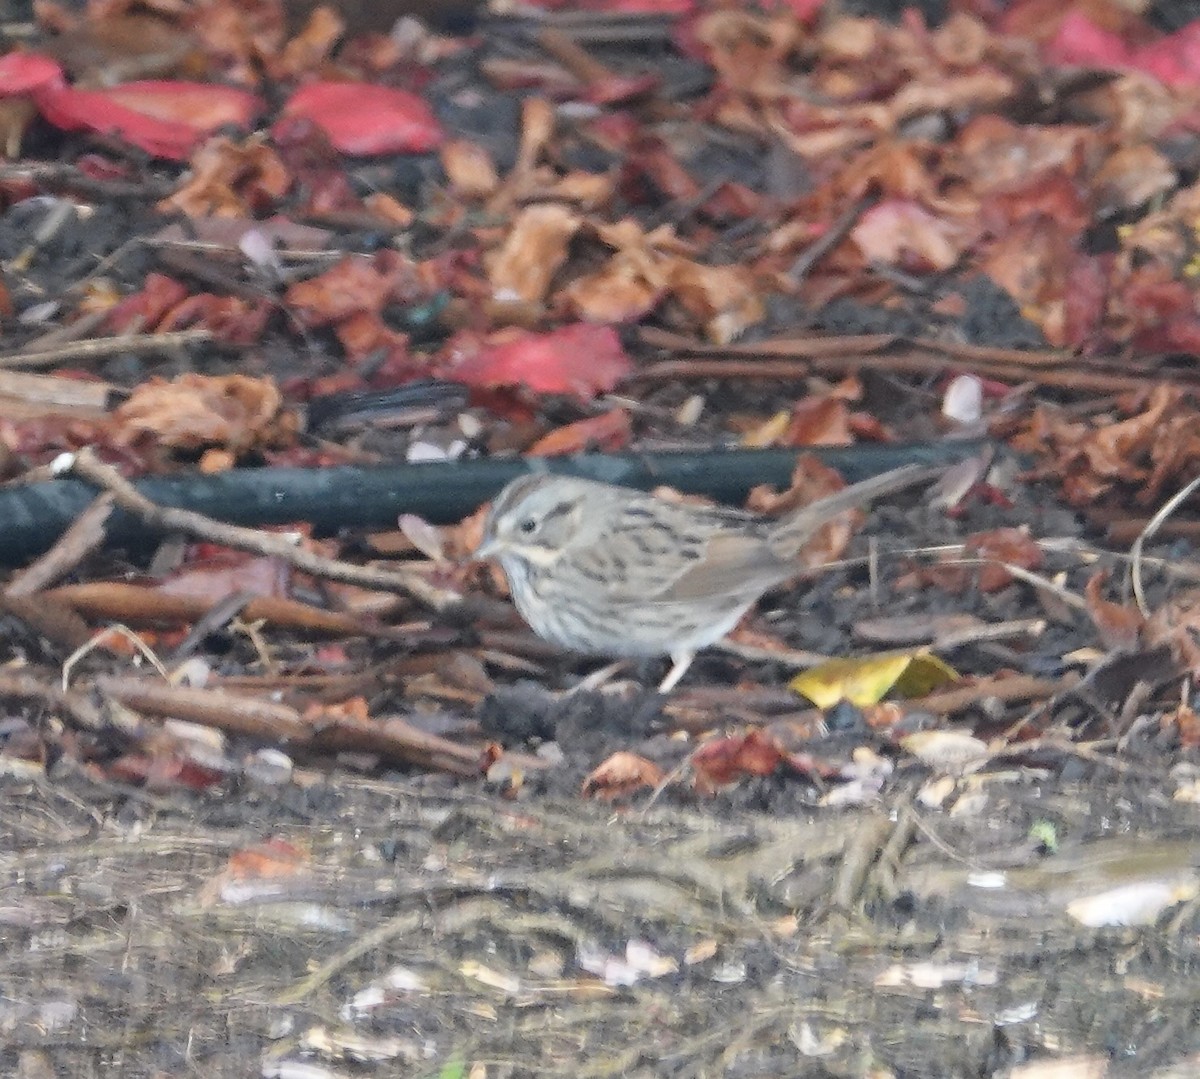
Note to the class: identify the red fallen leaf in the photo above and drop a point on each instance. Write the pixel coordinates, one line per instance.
(166, 119)
(90, 110)
(23, 72)
(620, 775)
(609, 432)
(202, 105)
(229, 318)
(726, 760)
(158, 295)
(1080, 41)
(163, 772)
(362, 118)
(579, 359)
(1174, 60)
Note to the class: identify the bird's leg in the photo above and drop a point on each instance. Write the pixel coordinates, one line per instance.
(598, 678)
(680, 662)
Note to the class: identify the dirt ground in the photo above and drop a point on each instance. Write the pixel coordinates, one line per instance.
(436, 929)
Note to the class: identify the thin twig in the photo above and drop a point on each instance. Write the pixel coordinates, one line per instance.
(829, 239)
(99, 348)
(84, 535)
(88, 466)
(99, 640)
(1152, 526)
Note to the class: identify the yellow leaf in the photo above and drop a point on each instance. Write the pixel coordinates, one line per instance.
(769, 432)
(924, 674)
(866, 680)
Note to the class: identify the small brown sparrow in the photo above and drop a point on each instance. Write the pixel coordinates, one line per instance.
(610, 571)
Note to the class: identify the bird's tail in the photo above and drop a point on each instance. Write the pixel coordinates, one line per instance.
(790, 533)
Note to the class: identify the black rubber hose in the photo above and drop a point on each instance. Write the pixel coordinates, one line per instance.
(32, 517)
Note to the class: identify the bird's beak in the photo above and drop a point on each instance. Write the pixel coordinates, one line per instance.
(489, 548)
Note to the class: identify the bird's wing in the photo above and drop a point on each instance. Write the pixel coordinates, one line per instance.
(733, 565)
(648, 553)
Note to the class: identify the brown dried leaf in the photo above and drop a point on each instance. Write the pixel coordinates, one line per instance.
(1119, 626)
(621, 775)
(533, 251)
(469, 168)
(1012, 545)
(194, 411)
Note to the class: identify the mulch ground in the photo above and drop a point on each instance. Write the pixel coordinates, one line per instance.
(321, 805)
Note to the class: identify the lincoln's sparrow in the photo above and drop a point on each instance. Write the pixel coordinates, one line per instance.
(611, 571)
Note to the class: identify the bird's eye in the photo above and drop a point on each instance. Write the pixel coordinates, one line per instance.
(527, 526)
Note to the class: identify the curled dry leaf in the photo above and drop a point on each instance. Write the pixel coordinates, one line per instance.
(469, 168)
(230, 179)
(725, 299)
(147, 307)
(1154, 445)
(819, 421)
(723, 761)
(1014, 546)
(620, 775)
(1132, 176)
(356, 284)
(647, 267)
(534, 250)
(811, 479)
(1119, 625)
(164, 304)
(947, 752)
(193, 411)
(608, 433)
(311, 47)
(462, 540)
(903, 233)
(425, 537)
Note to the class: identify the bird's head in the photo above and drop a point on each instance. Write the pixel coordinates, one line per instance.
(535, 518)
